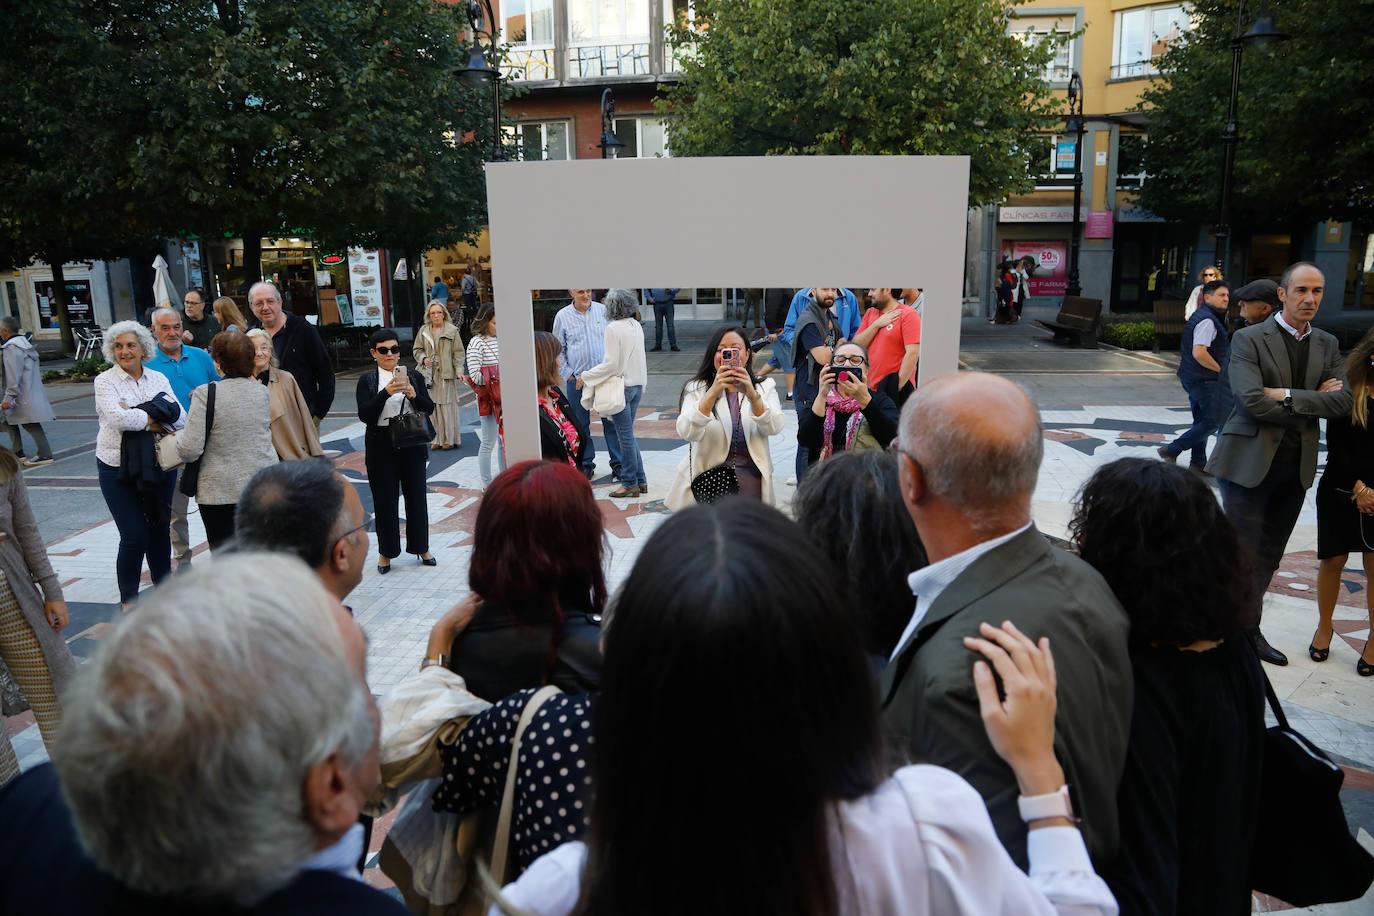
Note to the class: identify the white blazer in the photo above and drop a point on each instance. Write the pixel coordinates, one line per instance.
(710, 438)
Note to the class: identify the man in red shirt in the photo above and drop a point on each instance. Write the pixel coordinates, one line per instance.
(892, 333)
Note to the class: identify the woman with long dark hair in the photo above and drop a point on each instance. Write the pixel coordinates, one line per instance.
(1189, 800)
(537, 551)
(727, 414)
(738, 765)
(1345, 504)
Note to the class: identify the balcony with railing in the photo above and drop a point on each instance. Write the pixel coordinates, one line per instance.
(593, 59)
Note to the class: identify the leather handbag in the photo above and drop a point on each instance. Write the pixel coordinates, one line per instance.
(713, 483)
(1304, 853)
(168, 455)
(408, 428)
(190, 474)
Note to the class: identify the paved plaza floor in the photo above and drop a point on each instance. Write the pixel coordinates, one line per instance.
(1097, 406)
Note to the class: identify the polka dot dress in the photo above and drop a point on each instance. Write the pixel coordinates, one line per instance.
(553, 778)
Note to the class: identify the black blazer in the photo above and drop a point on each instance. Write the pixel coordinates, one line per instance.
(371, 401)
(551, 440)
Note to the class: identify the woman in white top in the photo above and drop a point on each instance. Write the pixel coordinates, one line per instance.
(484, 369)
(738, 763)
(624, 359)
(139, 497)
(727, 414)
(1207, 275)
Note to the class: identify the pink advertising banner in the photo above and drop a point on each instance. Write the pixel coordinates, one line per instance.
(1050, 274)
(1099, 225)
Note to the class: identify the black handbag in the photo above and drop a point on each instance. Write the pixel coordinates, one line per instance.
(713, 483)
(409, 428)
(190, 472)
(1304, 853)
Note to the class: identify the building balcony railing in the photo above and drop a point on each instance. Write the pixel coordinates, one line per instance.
(1056, 73)
(1134, 69)
(623, 59)
(525, 62)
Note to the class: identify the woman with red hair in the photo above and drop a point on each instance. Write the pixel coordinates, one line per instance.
(537, 553)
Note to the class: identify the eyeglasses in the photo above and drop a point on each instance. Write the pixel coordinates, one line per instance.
(367, 520)
(896, 449)
(847, 361)
(387, 350)
(1210, 275)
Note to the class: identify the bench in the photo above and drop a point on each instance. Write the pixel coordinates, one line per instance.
(1168, 319)
(1076, 321)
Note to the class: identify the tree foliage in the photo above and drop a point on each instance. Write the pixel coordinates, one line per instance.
(1306, 147)
(865, 77)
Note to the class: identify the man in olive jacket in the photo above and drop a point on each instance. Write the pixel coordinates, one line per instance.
(970, 448)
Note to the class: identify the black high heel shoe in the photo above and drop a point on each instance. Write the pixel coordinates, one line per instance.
(429, 561)
(1363, 668)
(384, 569)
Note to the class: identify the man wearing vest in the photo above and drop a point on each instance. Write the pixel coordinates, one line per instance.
(1286, 375)
(1205, 345)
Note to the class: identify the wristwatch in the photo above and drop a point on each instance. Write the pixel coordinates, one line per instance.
(441, 661)
(1037, 807)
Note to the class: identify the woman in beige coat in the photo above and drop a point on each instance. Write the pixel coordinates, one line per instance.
(439, 350)
(32, 613)
(293, 430)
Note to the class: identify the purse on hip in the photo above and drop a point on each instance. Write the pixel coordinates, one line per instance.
(408, 428)
(190, 474)
(713, 483)
(1304, 853)
(609, 397)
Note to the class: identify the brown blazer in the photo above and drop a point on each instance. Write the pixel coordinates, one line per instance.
(293, 429)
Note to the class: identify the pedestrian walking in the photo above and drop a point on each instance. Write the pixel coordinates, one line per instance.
(439, 352)
(25, 403)
(1203, 351)
(484, 375)
(395, 465)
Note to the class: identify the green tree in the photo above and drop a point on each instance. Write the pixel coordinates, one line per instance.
(866, 77)
(1306, 146)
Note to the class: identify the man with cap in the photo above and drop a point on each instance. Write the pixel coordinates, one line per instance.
(1257, 300)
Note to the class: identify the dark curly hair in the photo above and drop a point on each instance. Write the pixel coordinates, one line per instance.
(1158, 536)
(851, 507)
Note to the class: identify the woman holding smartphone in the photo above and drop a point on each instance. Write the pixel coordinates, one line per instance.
(846, 416)
(727, 414)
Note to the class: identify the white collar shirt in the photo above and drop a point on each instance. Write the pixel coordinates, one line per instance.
(1292, 331)
(342, 857)
(928, 582)
(116, 394)
(393, 406)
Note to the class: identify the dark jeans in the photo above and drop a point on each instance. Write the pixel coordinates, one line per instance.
(664, 312)
(137, 538)
(1202, 401)
(607, 428)
(1265, 515)
(802, 396)
(219, 523)
(392, 472)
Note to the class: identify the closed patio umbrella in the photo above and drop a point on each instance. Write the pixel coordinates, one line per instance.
(164, 293)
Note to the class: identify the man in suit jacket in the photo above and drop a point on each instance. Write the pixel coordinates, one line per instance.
(970, 449)
(1284, 374)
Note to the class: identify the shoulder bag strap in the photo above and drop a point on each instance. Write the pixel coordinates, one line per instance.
(1273, 700)
(209, 415)
(500, 852)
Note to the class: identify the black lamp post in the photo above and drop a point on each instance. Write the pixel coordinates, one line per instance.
(1262, 33)
(1074, 123)
(610, 144)
(481, 71)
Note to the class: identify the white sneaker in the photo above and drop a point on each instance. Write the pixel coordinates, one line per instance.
(791, 481)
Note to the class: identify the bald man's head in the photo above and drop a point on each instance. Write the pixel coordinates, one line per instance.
(978, 441)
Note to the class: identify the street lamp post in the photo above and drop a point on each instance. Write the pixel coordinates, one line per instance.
(1074, 123)
(1262, 33)
(610, 144)
(481, 71)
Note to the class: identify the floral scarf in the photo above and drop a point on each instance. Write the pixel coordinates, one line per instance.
(836, 402)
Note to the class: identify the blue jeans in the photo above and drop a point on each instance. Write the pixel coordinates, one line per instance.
(491, 442)
(782, 356)
(137, 538)
(1202, 400)
(1265, 516)
(663, 311)
(632, 463)
(802, 396)
(607, 428)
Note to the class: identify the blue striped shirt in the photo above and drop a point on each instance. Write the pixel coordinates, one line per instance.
(583, 336)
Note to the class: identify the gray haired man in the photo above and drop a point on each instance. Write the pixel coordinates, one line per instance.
(24, 403)
(214, 754)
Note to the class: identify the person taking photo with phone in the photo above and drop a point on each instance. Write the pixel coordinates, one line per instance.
(845, 414)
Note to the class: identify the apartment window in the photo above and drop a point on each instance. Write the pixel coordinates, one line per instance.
(644, 138)
(536, 140)
(527, 28)
(1130, 160)
(608, 37)
(1050, 158)
(1033, 30)
(1143, 34)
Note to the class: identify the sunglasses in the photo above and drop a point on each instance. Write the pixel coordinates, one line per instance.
(387, 350)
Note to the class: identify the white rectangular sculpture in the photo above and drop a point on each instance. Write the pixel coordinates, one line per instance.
(789, 221)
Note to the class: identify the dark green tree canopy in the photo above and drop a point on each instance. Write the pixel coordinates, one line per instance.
(1306, 149)
(865, 77)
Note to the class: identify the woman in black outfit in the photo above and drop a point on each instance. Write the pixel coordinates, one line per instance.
(563, 437)
(846, 412)
(383, 393)
(1189, 800)
(1345, 503)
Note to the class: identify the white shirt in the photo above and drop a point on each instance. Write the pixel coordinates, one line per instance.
(1293, 332)
(116, 393)
(624, 355)
(920, 843)
(341, 858)
(928, 582)
(392, 407)
(1204, 334)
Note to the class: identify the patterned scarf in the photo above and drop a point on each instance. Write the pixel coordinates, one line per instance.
(834, 401)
